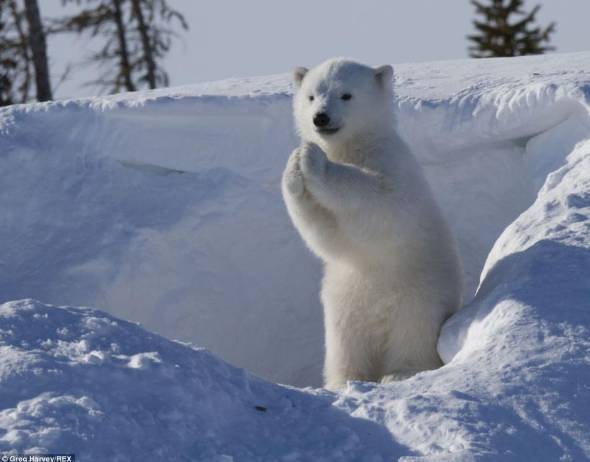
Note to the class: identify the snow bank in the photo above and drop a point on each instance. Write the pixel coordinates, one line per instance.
(77, 380)
(165, 214)
(164, 208)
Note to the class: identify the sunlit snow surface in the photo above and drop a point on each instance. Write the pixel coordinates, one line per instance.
(164, 208)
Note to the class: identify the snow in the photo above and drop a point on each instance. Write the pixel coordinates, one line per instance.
(164, 208)
(80, 380)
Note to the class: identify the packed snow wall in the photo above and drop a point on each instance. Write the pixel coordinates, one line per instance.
(164, 207)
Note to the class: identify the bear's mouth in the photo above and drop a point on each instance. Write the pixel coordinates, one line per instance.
(327, 130)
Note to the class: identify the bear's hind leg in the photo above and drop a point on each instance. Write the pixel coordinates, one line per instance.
(348, 360)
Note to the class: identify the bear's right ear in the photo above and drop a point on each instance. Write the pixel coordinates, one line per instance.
(298, 74)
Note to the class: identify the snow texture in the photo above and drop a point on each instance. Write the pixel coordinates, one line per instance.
(105, 389)
(164, 208)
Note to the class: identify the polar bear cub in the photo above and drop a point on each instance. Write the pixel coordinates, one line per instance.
(360, 201)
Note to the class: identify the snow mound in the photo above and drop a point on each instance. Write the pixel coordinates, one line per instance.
(78, 380)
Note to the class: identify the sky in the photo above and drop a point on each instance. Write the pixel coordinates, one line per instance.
(234, 38)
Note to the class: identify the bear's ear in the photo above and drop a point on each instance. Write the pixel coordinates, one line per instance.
(384, 74)
(298, 74)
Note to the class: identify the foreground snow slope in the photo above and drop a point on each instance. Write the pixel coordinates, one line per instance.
(164, 208)
(77, 380)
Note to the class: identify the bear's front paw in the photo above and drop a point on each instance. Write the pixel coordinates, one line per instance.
(313, 161)
(292, 176)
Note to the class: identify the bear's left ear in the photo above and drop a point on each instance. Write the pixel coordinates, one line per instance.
(298, 74)
(384, 74)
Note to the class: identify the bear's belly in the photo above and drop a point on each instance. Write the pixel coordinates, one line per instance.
(381, 308)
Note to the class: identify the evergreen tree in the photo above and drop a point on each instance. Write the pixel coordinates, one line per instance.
(500, 36)
(7, 61)
(104, 19)
(16, 62)
(38, 47)
(150, 17)
(136, 37)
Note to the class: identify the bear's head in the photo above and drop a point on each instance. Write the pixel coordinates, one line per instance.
(341, 100)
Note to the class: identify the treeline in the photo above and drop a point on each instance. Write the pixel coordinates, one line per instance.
(133, 37)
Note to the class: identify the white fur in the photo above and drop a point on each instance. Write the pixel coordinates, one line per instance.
(360, 201)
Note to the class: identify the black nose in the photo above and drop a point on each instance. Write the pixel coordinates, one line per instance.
(321, 119)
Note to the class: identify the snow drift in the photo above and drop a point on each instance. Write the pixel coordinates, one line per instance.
(164, 208)
(105, 389)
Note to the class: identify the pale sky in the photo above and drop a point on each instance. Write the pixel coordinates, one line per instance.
(240, 38)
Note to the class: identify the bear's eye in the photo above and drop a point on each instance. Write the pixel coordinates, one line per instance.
(310, 97)
(346, 97)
